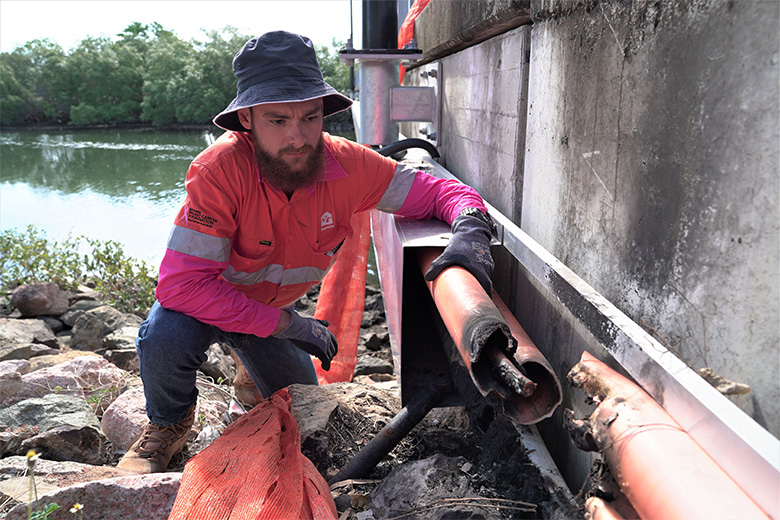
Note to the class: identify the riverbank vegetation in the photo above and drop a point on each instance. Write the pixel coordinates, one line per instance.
(146, 75)
(123, 282)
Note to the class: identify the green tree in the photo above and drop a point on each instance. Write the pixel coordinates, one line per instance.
(108, 88)
(146, 74)
(167, 59)
(335, 73)
(28, 87)
(16, 100)
(207, 85)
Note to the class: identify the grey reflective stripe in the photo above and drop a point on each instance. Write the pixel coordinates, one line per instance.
(190, 242)
(275, 273)
(270, 273)
(399, 187)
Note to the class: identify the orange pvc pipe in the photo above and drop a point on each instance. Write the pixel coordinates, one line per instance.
(478, 324)
(659, 467)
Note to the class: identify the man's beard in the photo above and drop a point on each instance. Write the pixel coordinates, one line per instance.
(275, 170)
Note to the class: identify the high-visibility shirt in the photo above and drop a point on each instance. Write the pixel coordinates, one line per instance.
(240, 250)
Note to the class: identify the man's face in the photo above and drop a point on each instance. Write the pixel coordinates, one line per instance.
(288, 142)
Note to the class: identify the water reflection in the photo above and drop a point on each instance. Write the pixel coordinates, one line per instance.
(121, 185)
(103, 161)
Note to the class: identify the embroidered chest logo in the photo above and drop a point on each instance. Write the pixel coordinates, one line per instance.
(326, 221)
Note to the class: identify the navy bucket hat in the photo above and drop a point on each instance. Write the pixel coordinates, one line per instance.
(278, 67)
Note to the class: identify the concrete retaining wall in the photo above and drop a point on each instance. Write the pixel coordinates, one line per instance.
(638, 143)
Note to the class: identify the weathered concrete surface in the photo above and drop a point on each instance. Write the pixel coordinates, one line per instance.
(483, 97)
(651, 171)
(453, 25)
(648, 164)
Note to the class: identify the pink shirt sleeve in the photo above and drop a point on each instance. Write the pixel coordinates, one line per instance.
(192, 285)
(432, 197)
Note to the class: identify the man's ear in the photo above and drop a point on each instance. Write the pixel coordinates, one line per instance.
(245, 117)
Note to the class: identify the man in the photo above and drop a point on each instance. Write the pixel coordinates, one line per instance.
(267, 207)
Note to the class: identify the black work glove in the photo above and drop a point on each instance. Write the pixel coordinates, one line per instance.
(312, 336)
(469, 248)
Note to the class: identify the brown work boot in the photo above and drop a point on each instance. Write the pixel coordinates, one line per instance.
(245, 389)
(152, 452)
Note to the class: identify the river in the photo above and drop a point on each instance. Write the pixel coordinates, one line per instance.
(121, 185)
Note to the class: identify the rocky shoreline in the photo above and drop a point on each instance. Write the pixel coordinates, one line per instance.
(70, 390)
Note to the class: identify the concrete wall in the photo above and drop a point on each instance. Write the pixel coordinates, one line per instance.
(639, 145)
(652, 172)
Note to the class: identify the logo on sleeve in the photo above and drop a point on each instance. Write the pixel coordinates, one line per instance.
(326, 221)
(194, 216)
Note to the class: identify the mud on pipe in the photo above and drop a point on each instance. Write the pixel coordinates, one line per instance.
(504, 365)
(662, 471)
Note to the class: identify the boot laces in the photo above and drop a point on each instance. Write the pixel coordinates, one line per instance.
(156, 439)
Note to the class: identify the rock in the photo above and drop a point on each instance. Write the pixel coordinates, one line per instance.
(219, 366)
(40, 299)
(372, 365)
(50, 476)
(10, 383)
(122, 338)
(83, 293)
(421, 483)
(321, 411)
(15, 365)
(51, 360)
(14, 332)
(77, 309)
(88, 377)
(36, 349)
(371, 318)
(124, 358)
(59, 427)
(124, 420)
(85, 444)
(140, 497)
(95, 324)
(374, 300)
(58, 473)
(372, 341)
(54, 324)
(25, 351)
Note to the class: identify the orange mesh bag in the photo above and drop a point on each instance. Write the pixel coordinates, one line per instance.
(342, 298)
(255, 470)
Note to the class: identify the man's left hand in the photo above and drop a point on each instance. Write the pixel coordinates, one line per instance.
(469, 248)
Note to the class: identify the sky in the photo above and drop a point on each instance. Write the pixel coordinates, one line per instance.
(67, 22)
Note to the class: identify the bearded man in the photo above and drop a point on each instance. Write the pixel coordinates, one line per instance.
(268, 206)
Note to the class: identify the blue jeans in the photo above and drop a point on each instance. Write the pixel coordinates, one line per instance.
(172, 346)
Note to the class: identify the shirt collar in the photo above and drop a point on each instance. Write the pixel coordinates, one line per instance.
(332, 172)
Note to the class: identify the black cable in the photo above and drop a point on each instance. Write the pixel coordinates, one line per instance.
(409, 143)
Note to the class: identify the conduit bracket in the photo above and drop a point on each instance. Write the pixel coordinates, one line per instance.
(384, 102)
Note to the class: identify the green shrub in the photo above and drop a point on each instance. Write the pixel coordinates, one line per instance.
(31, 257)
(123, 282)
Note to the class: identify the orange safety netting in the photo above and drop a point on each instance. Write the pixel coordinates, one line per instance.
(255, 470)
(342, 298)
(406, 33)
